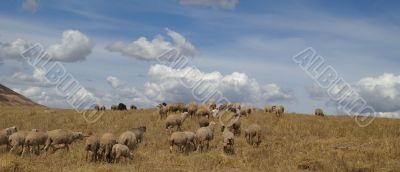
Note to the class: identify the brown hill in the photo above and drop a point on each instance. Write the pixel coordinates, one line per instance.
(9, 97)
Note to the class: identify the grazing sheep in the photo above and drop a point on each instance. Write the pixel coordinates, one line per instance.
(10, 130)
(203, 121)
(5, 133)
(17, 140)
(175, 120)
(191, 139)
(177, 107)
(92, 147)
(128, 138)
(180, 140)
(278, 110)
(203, 111)
(34, 139)
(139, 132)
(163, 111)
(268, 109)
(120, 150)
(253, 134)
(62, 137)
(122, 106)
(228, 140)
(192, 109)
(204, 135)
(319, 112)
(107, 141)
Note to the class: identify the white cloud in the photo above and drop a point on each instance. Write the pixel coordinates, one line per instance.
(31, 5)
(173, 85)
(114, 82)
(145, 49)
(74, 46)
(227, 4)
(382, 93)
(12, 50)
(37, 78)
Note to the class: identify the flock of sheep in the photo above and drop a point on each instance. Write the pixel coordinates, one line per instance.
(111, 148)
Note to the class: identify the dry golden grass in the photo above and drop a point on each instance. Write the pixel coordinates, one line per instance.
(294, 143)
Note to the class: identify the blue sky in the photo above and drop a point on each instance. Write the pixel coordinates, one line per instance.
(255, 38)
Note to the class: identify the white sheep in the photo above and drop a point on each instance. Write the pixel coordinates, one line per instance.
(92, 146)
(120, 150)
(17, 140)
(204, 135)
(180, 140)
(175, 120)
(128, 138)
(5, 133)
(107, 141)
(62, 137)
(34, 139)
(228, 140)
(253, 134)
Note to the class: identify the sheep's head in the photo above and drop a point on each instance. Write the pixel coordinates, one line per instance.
(11, 130)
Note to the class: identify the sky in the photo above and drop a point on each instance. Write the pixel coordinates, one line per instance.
(245, 49)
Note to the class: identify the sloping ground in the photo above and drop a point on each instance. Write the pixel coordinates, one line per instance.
(9, 97)
(293, 143)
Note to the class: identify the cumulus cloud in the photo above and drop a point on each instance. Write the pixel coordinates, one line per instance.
(183, 85)
(381, 92)
(13, 49)
(226, 4)
(36, 78)
(74, 46)
(30, 5)
(150, 50)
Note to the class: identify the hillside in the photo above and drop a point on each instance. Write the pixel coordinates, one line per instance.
(294, 143)
(9, 97)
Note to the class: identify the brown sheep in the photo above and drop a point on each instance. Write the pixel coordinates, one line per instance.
(120, 150)
(278, 110)
(107, 141)
(180, 140)
(175, 120)
(128, 138)
(163, 111)
(62, 137)
(92, 146)
(204, 136)
(253, 134)
(228, 140)
(268, 109)
(319, 112)
(34, 139)
(139, 132)
(192, 109)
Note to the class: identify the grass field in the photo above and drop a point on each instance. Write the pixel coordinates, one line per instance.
(294, 143)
